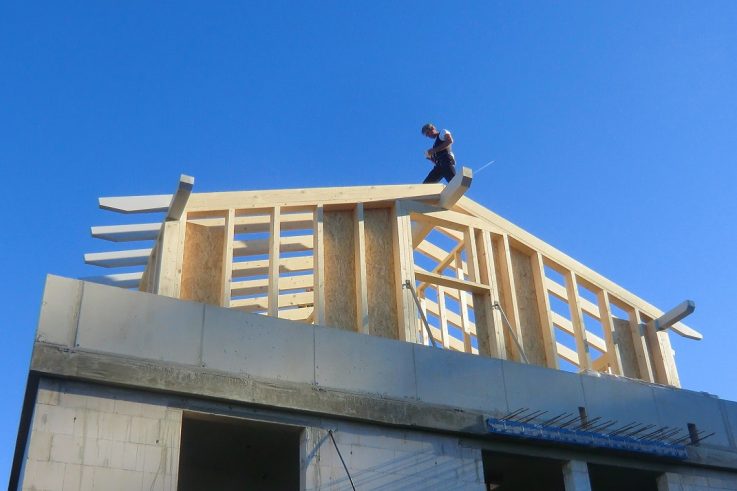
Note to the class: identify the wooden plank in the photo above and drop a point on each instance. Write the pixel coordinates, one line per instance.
(657, 355)
(259, 267)
(261, 286)
(262, 303)
(446, 281)
(490, 328)
(298, 314)
(579, 328)
(359, 243)
(456, 188)
(614, 358)
(127, 233)
(543, 308)
(136, 204)
(451, 317)
(318, 260)
(403, 272)
(560, 291)
(117, 259)
(261, 223)
(527, 306)
(465, 204)
(567, 354)
(121, 280)
(463, 305)
(298, 243)
(274, 249)
(326, 196)
(639, 341)
(227, 269)
(443, 316)
(510, 296)
(180, 198)
(566, 325)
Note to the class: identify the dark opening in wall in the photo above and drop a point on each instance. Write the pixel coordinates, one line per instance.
(228, 454)
(610, 478)
(512, 472)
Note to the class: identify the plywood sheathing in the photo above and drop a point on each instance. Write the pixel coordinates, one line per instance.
(382, 298)
(202, 265)
(340, 272)
(623, 338)
(529, 316)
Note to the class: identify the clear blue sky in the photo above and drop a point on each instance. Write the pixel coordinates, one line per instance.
(613, 126)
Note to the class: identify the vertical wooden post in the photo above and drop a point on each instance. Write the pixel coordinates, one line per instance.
(510, 305)
(579, 328)
(543, 308)
(227, 269)
(404, 271)
(637, 329)
(661, 355)
(614, 357)
(489, 324)
(362, 315)
(318, 259)
(463, 303)
(171, 254)
(274, 243)
(443, 317)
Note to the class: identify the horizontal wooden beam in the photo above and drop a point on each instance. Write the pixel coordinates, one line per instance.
(121, 280)
(180, 198)
(261, 267)
(261, 303)
(436, 279)
(117, 259)
(261, 246)
(127, 233)
(253, 287)
(456, 188)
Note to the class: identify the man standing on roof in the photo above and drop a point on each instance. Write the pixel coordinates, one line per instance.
(440, 154)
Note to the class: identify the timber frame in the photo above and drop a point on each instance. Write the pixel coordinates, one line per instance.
(339, 257)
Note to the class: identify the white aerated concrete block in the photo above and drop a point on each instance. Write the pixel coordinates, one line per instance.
(361, 363)
(59, 311)
(43, 476)
(140, 325)
(258, 346)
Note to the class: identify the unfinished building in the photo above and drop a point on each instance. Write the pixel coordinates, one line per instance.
(370, 338)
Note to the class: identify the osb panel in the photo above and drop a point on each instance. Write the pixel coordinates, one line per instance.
(382, 300)
(340, 274)
(529, 316)
(623, 338)
(202, 265)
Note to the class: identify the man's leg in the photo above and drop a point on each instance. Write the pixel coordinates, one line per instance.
(448, 172)
(434, 176)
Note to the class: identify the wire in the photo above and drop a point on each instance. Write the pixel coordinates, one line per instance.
(484, 167)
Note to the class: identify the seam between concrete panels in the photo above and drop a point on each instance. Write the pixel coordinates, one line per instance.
(202, 336)
(78, 316)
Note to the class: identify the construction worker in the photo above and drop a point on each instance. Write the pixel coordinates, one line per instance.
(440, 154)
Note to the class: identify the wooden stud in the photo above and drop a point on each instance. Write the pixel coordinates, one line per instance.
(443, 316)
(637, 329)
(319, 265)
(507, 283)
(579, 328)
(614, 358)
(543, 308)
(403, 271)
(362, 314)
(463, 304)
(227, 269)
(490, 328)
(274, 246)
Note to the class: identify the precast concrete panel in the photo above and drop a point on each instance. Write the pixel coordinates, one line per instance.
(678, 407)
(460, 380)
(57, 323)
(362, 363)
(258, 346)
(139, 324)
(539, 388)
(618, 399)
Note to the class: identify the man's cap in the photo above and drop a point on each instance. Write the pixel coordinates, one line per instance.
(426, 127)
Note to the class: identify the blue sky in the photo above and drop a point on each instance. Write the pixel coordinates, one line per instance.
(613, 126)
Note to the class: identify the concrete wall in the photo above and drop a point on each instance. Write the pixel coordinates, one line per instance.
(106, 334)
